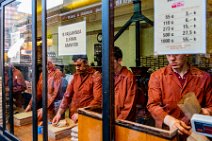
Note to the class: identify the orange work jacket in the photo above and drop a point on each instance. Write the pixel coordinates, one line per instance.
(53, 87)
(165, 91)
(125, 93)
(83, 91)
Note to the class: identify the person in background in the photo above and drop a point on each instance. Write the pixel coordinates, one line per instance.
(168, 85)
(54, 81)
(85, 89)
(125, 89)
(67, 74)
(19, 85)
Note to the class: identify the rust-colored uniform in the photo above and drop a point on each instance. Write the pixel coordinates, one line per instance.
(19, 86)
(54, 80)
(125, 93)
(83, 91)
(165, 91)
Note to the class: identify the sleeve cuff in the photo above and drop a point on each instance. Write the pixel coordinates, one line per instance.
(169, 121)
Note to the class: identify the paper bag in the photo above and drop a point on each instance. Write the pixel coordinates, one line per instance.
(189, 105)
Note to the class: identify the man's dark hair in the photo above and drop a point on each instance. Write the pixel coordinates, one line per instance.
(76, 57)
(117, 53)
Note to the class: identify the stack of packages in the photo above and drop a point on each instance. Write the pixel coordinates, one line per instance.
(74, 134)
(1, 121)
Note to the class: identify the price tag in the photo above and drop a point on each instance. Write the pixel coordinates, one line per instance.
(180, 27)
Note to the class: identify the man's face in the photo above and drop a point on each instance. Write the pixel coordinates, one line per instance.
(80, 66)
(176, 61)
(50, 65)
(117, 64)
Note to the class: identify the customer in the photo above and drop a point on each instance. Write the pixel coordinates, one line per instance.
(85, 89)
(54, 81)
(168, 85)
(125, 89)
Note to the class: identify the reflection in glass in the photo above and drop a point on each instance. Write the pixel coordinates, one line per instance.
(18, 57)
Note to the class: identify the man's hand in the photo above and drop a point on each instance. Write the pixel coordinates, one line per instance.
(56, 119)
(182, 128)
(74, 117)
(28, 108)
(205, 111)
(175, 124)
(40, 112)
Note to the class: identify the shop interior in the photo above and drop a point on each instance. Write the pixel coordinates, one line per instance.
(138, 55)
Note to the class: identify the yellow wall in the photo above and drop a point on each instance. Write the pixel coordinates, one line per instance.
(94, 25)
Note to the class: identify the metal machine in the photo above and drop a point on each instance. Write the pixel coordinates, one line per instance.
(202, 124)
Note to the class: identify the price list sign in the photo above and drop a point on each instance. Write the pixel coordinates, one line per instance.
(180, 27)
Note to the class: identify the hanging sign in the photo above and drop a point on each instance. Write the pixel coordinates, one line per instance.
(180, 26)
(72, 39)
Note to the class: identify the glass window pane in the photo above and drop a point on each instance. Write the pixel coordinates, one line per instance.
(18, 58)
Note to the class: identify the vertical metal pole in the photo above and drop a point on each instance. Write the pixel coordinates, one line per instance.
(3, 69)
(138, 61)
(107, 70)
(34, 66)
(10, 75)
(137, 11)
(44, 73)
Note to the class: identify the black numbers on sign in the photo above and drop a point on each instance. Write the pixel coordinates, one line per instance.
(166, 34)
(187, 32)
(165, 40)
(166, 28)
(166, 23)
(185, 39)
(169, 16)
(185, 26)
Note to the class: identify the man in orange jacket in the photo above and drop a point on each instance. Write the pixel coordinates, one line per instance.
(85, 89)
(19, 85)
(124, 89)
(168, 85)
(54, 81)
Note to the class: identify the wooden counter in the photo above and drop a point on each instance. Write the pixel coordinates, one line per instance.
(24, 133)
(90, 129)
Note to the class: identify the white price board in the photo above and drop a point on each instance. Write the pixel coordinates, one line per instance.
(180, 26)
(72, 39)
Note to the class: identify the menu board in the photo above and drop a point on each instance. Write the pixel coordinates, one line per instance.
(180, 26)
